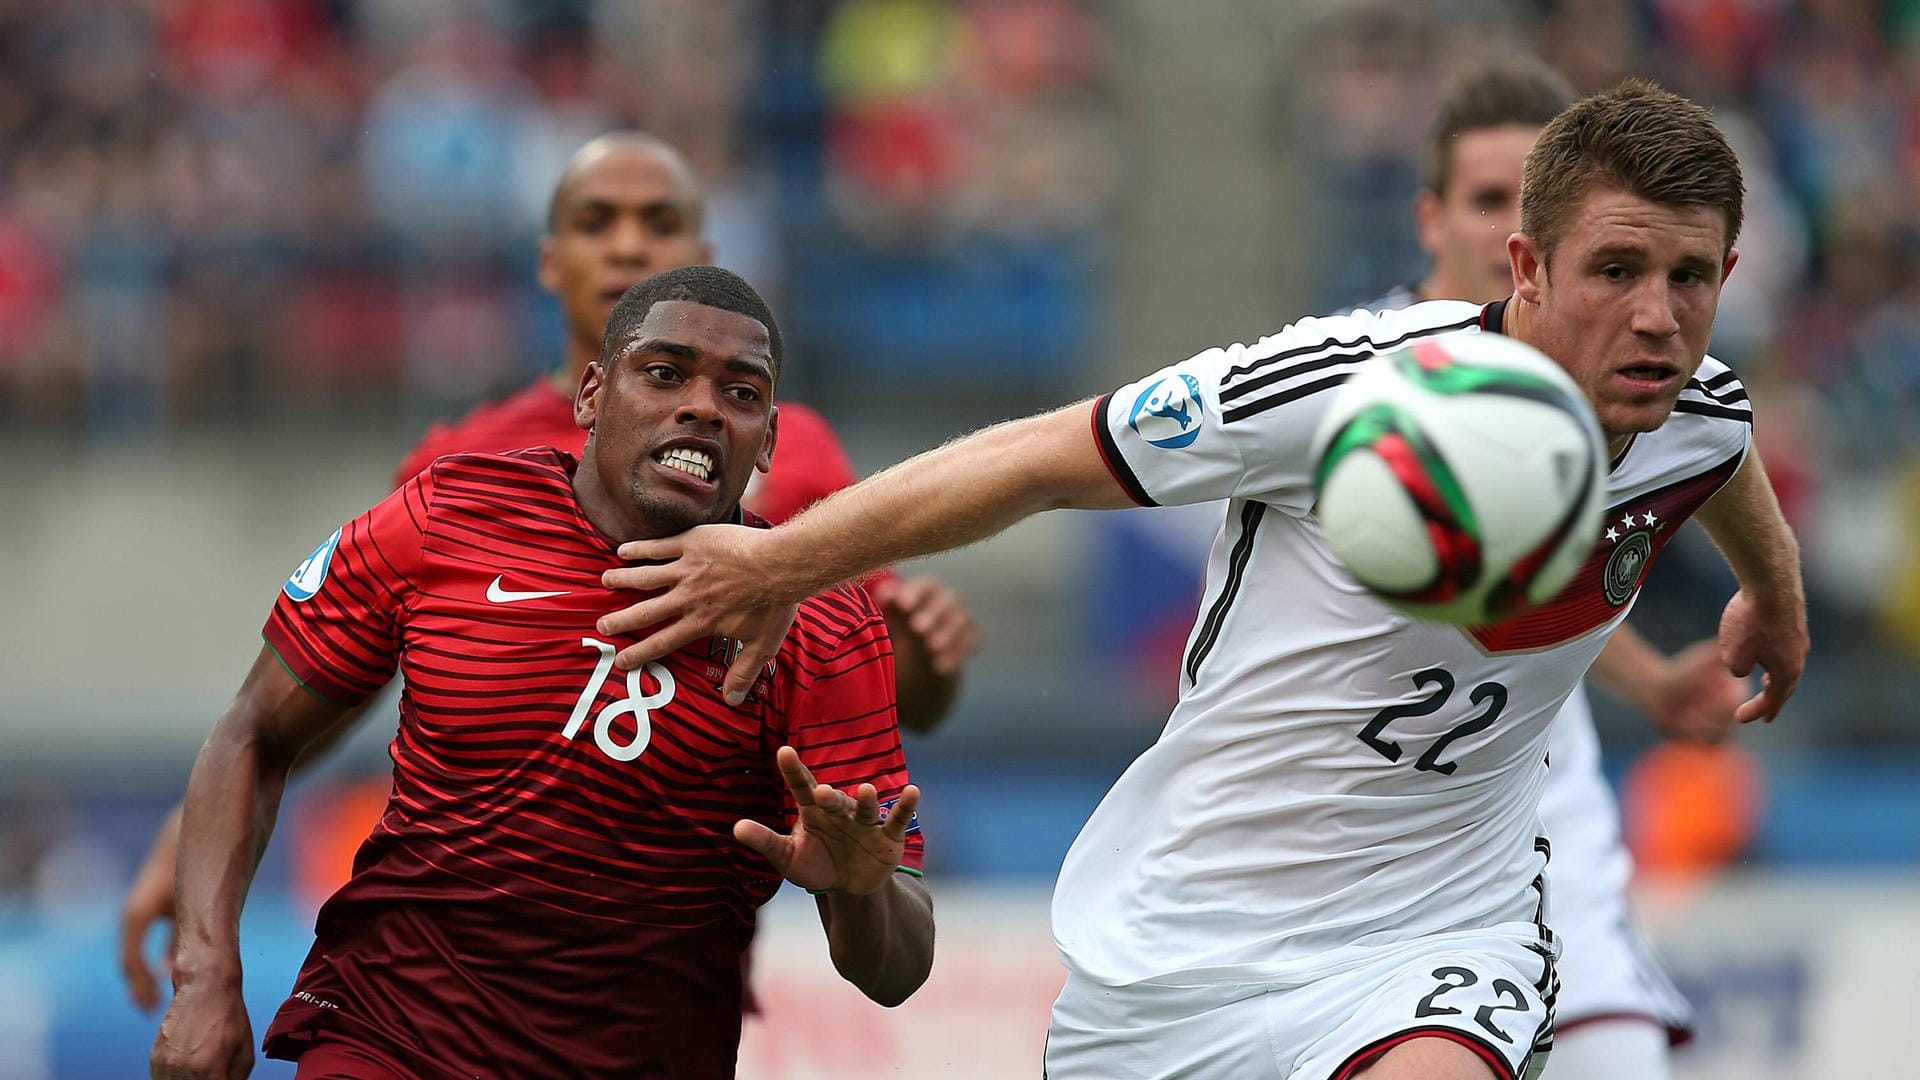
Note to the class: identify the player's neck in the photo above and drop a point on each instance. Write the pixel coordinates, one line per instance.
(615, 517)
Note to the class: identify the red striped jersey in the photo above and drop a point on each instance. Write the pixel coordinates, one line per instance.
(809, 463)
(554, 890)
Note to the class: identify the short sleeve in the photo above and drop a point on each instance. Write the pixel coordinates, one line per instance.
(1239, 422)
(337, 622)
(840, 713)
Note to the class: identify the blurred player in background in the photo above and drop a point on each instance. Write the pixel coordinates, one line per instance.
(565, 879)
(1617, 1011)
(1268, 891)
(628, 206)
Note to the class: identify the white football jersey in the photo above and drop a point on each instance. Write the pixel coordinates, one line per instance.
(1336, 776)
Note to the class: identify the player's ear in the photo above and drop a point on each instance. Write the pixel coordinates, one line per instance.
(1426, 221)
(586, 399)
(1529, 269)
(544, 268)
(1726, 268)
(764, 462)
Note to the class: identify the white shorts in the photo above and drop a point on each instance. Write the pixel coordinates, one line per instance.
(1490, 993)
(1607, 968)
(1608, 972)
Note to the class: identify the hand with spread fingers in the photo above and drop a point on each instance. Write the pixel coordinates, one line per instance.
(708, 581)
(840, 842)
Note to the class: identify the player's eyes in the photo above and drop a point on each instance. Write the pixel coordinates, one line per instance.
(663, 372)
(1614, 272)
(745, 393)
(1688, 277)
(667, 223)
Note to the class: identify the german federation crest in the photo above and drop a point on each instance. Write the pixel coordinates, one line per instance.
(1624, 567)
(311, 574)
(1167, 413)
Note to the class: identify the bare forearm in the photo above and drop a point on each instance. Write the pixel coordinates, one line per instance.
(1629, 668)
(1745, 523)
(946, 498)
(882, 942)
(232, 801)
(166, 841)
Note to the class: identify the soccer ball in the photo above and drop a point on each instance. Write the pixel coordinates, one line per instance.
(1461, 479)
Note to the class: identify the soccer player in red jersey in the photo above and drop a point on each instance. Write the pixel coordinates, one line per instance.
(628, 206)
(567, 872)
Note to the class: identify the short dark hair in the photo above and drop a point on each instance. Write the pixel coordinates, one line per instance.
(1515, 92)
(709, 285)
(1635, 138)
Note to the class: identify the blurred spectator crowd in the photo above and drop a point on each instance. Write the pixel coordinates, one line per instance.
(1821, 98)
(209, 207)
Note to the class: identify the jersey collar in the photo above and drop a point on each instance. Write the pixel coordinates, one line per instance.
(1493, 317)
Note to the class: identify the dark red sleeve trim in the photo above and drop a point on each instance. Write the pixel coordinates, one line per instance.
(1370, 1053)
(1110, 455)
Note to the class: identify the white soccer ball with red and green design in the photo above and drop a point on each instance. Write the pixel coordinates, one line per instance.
(1462, 478)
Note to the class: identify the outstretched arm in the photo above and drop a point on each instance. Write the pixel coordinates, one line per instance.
(744, 582)
(232, 800)
(846, 849)
(1689, 695)
(1766, 621)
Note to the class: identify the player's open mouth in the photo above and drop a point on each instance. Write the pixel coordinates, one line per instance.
(690, 460)
(1648, 378)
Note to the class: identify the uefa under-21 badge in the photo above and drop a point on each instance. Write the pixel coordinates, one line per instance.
(308, 576)
(1167, 412)
(886, 811)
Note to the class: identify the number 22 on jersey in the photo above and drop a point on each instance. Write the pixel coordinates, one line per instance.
(637, 702)
(1490, 696)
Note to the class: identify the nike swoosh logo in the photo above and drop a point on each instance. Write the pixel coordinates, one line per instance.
(501, 596)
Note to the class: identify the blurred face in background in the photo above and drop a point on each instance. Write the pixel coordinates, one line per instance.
(625, 210)
(1626, 301)
(1464, 229)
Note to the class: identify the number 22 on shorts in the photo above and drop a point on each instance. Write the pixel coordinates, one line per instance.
(1458, 978)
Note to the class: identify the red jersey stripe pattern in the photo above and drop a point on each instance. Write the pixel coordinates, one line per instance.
(555, 825)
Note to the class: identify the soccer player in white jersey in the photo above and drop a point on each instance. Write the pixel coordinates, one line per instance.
(1618, 1012)
(1330, 863)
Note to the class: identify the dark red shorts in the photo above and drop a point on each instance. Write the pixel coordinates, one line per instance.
(333, 1058)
